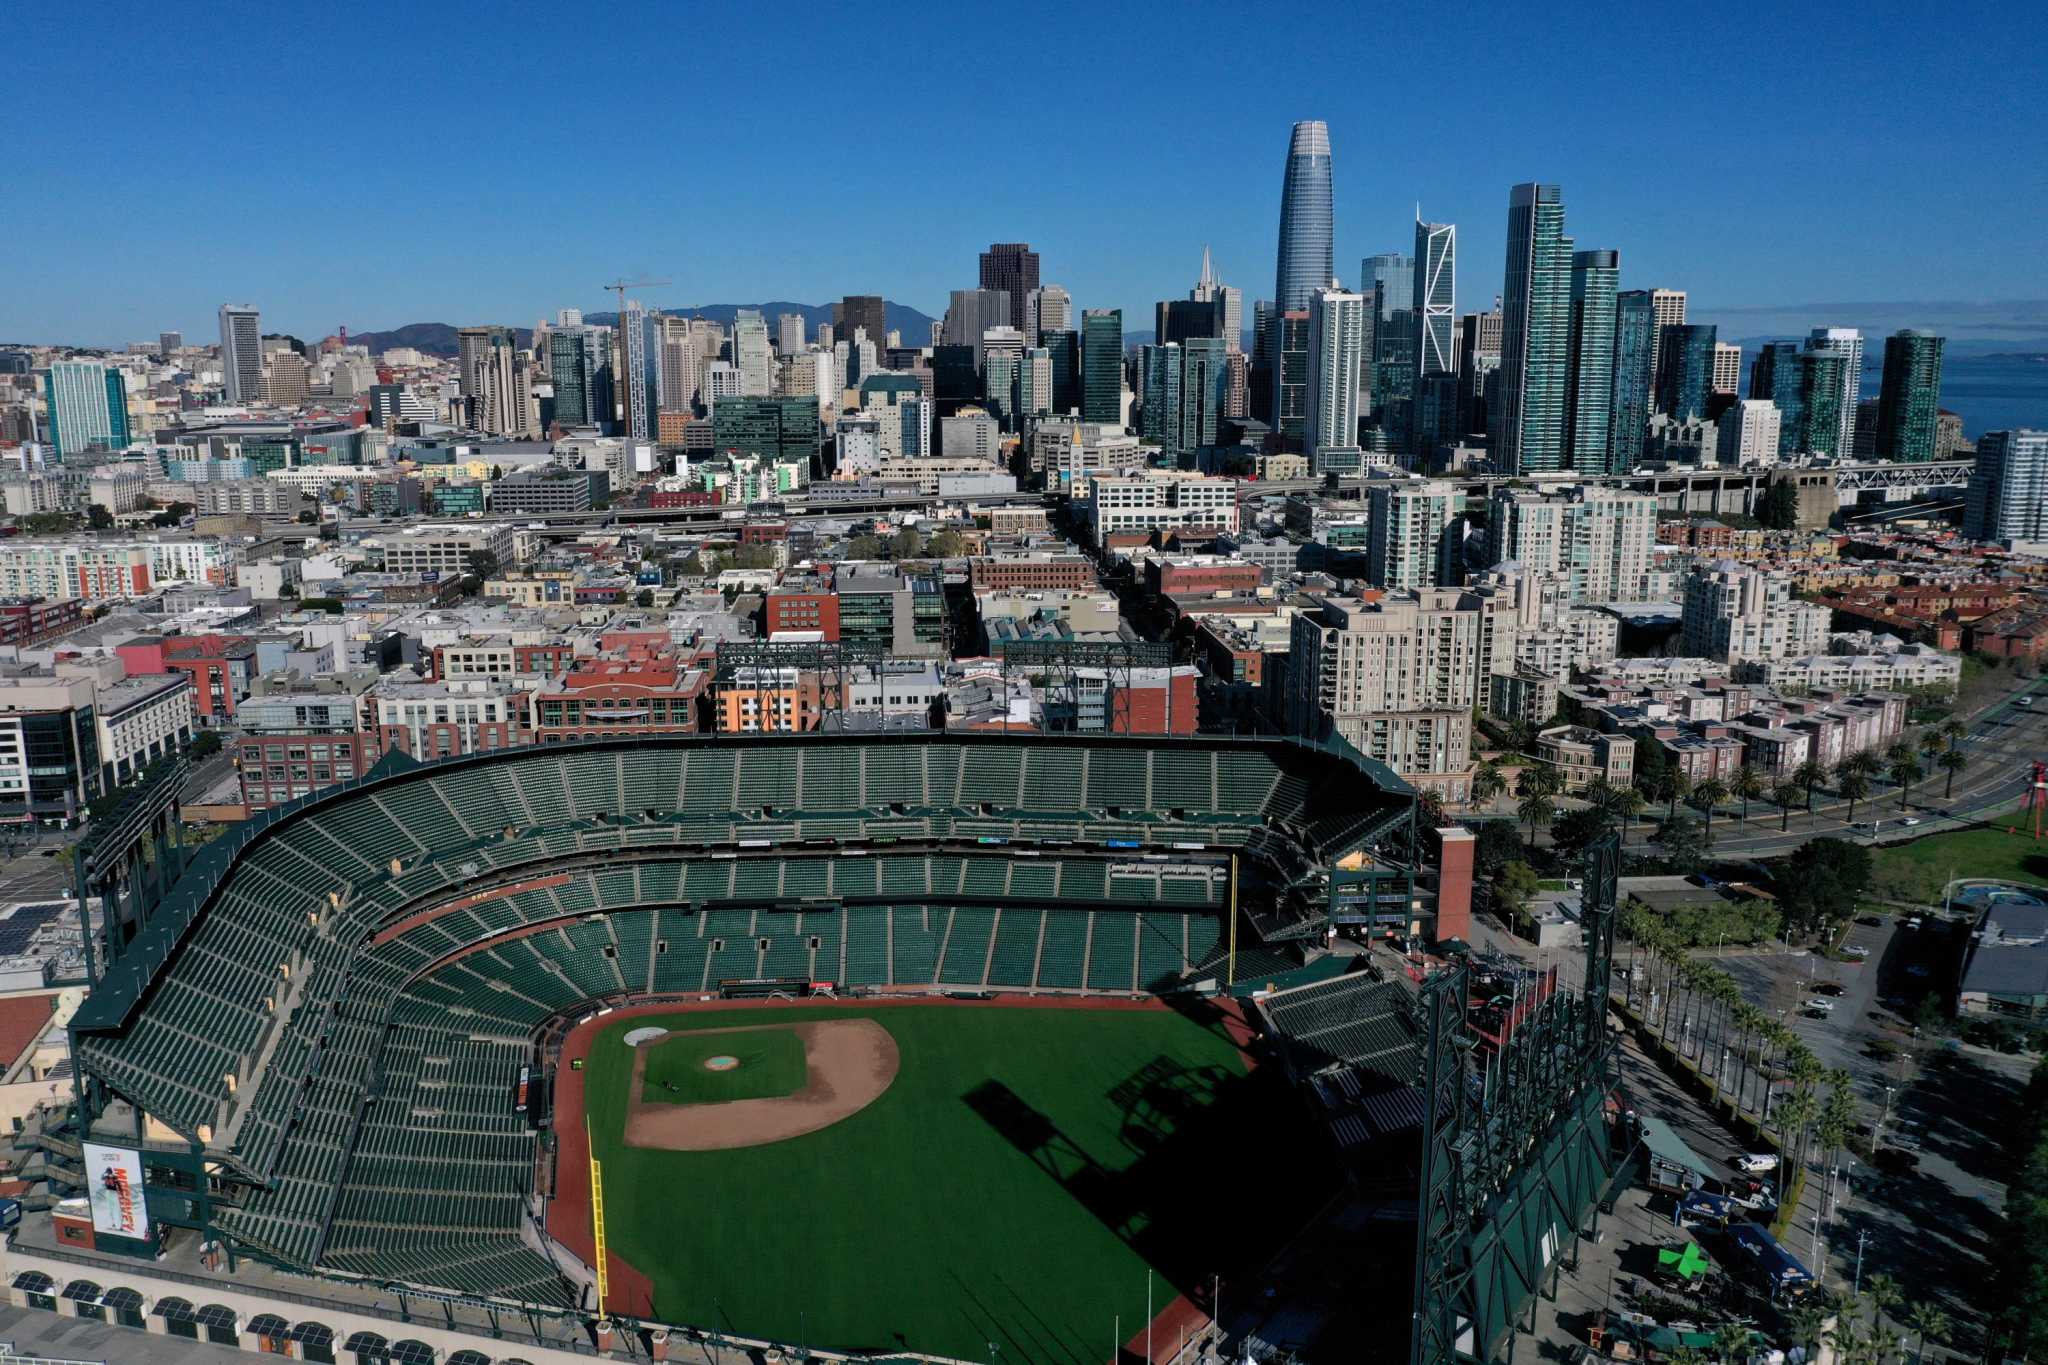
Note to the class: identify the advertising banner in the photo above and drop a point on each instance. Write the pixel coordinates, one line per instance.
(113, 1183)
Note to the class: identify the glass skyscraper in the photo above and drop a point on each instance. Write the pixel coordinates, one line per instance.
(1589, 391)
(1102, 365)
(88, 407)
(1291, 392)
(1635, 338)
(1909, 403)
(1435, 298)
(1685, 370)
(1307, 257)
(1527, 425)
(2009, 489)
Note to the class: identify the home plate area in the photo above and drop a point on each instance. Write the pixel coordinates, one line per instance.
(714, 1089)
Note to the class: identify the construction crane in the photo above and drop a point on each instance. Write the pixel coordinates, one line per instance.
(620, 287)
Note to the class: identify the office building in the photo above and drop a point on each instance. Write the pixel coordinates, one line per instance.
(241, 353)
(752, 354)
(1159, 500)
(1667, 307)
(169, 342)
(1102, 365)
(1047, 308)
(1063, 354)
(1290, 387)
(774, 429)
(789, 333)
(1727, 369)
(50, 765)
(633, 329)
(1185, 386)
(2008, 499)
(1012, 269)
(1528, 426)
(1336, 352)
(1599, 540)
(1183, 319)
(1229, 303)
(858, 313)
(1909, 402)
(1685, 371)
(1847, 343)
(1413, 535)
(1589, 385)
(88, 407)
(1635, 365)
(1435, 298)
(1747, 433)
(1034, 386)
(1307, 255)
(971, 312)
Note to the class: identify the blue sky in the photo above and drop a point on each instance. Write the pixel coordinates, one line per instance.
(375, 164)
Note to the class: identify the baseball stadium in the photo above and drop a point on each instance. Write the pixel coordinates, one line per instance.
(948, 1047)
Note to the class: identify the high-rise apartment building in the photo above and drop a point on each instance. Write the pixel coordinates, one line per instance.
(1291, 375)
(638, 365)
(1600, 540)
(1909, 402)
(678, 365)
(1435, 298)
(1635, 366)
(1102, 365)
(1727, 369)
(1806, 385)
(88, 407)
(861, 312)
(1667, 307)
(1012, 268)
(1336, 352)
(1185, 387)
(2008, 500)
(1412, 538)
(1847, 343)
(1737, 613)
(1307, 255)
(1528, 426)
(1747, 433)
(1685, 371)
(241, 352)
(1589, 386)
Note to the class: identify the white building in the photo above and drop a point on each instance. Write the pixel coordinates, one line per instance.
(1599, 539)
(140, 720)
(859, 437)
(1846, 342)
(1160, 499)
(1737, 613)
(1907, 666)
(969, 434)
(1748, 433)
(752, 354)
(1412, 539)
(1336, 352)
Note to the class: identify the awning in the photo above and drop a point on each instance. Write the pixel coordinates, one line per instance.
(1670, 1148)
(1688, 1262)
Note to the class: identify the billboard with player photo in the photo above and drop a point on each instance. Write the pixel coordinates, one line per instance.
(113, 1186)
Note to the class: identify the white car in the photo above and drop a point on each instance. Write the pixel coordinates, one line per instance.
(1820, 1004)
(1910, 820)
(1756, 1162)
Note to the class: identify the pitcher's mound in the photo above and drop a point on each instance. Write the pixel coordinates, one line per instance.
(848, 1064)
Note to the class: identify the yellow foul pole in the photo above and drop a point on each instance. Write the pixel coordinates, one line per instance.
(597, 1217)
(1232, 979)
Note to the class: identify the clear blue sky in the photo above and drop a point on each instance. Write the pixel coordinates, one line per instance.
(375, 164)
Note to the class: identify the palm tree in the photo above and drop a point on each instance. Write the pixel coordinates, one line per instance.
(1955, 732)
(1807, 776)
(1849, 1343)
(1808, 1322)
(1853, 785)
(1785, 796)
(1906, 771)
(1487, 783)
(1927, 1322)
(1748, 784)
(1678, 786)
(1708, 795)
(1628, 804)
(1536, 808)
(1520, 735)
(1952, 761)
(1931, 742)
(1899, 748)
(1731, 1343)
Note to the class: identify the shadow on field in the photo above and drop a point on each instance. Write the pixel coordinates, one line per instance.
(1187, 1135)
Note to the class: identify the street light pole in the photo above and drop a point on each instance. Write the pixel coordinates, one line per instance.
(1857, 1286)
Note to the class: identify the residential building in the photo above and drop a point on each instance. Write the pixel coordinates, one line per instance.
(88, 407)
(141, 720)
(222, 668)
(1847, 344)
(1635, 365)
(1909, 403)
(1807, 387)
(1685, 371)
(2008, 499)
(1598, 539)
(1748, 433)
(437, 720)
(1290, 379)
(1589, 384)
(1886, 670)
(1185, 385)
(1528, 426)
(102, 570)
(1583, 756)
(607, 697)
(1739, 614)
(1415, 538)
(1667, 309)
(49, 747)
(1727, 369)
(1336, 356)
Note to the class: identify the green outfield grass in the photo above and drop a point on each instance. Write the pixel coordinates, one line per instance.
(771, 1064)
(1012, 1186)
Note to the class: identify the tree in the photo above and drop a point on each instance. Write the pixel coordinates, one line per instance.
(692, 566)
(1809, 776)
(1785, 796)
(309, 517)
(1521, 735)
(864, 547)
(1731, 1343)
(1683, 842)
(1906, 770)
(1575, 830)
(947, 544)
(1536, 808)
(1487, 783)
(1854, 786)
(1650, 768)
(483, 564)
(1778, 508)
(99, 518)
(1677, 787)
(1748, 784)
(905, 544)
(645, 598)
(1495, 844)
(1927, 1322)
(1512, 889)
(1707, 795)
(1823, 880)
(1951, 761)
(205, 744)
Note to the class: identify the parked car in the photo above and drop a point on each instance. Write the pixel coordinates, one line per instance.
(1857, 951)
(1826, 988)
(1871, 921)
(1819, 1004)
(1756, 1162)
(1910, 820)
(1914, 922)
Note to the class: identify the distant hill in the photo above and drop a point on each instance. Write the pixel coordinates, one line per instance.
(434, 338)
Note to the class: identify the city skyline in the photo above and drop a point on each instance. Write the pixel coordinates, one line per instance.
(724, 223)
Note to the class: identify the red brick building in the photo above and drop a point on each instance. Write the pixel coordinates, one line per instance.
(1155, 702)
(683, 497)
(276, 769)
(1000, 573)
(810, 609)
(24, 620)
(605, 698)
(222, 667)
(1201, 575)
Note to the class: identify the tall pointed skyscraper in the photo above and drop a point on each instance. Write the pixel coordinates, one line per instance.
(1435, 297)
(1307, 231)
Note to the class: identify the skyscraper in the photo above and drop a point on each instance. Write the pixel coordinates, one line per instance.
(241, 352)
(1291, 375)
(1336, 350)
(1635, 339)
(1909, 402)
(1063, 353)
(1047, 308)
(88, 406)
(1685, 371)
(750, 352)
(1847, 343)
(1589, 388)
(2009, 490)
(1307, 256)
(1185, 385)
(971, 312)
(676, 369)
(789, 333)
(570, 372)
(1102, 365)
(1265, 339)
(1180, 319)
(1668, 308)
(636, 361)
(1011, 267)
(1436, 289)
(1528, 427)
(1727, 368)
(861, 311)
(1229, 302)
(496, 394)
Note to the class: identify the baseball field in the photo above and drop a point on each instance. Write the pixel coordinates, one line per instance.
(940, 1177)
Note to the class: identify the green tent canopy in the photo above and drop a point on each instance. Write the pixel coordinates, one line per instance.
(1688, 1262)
